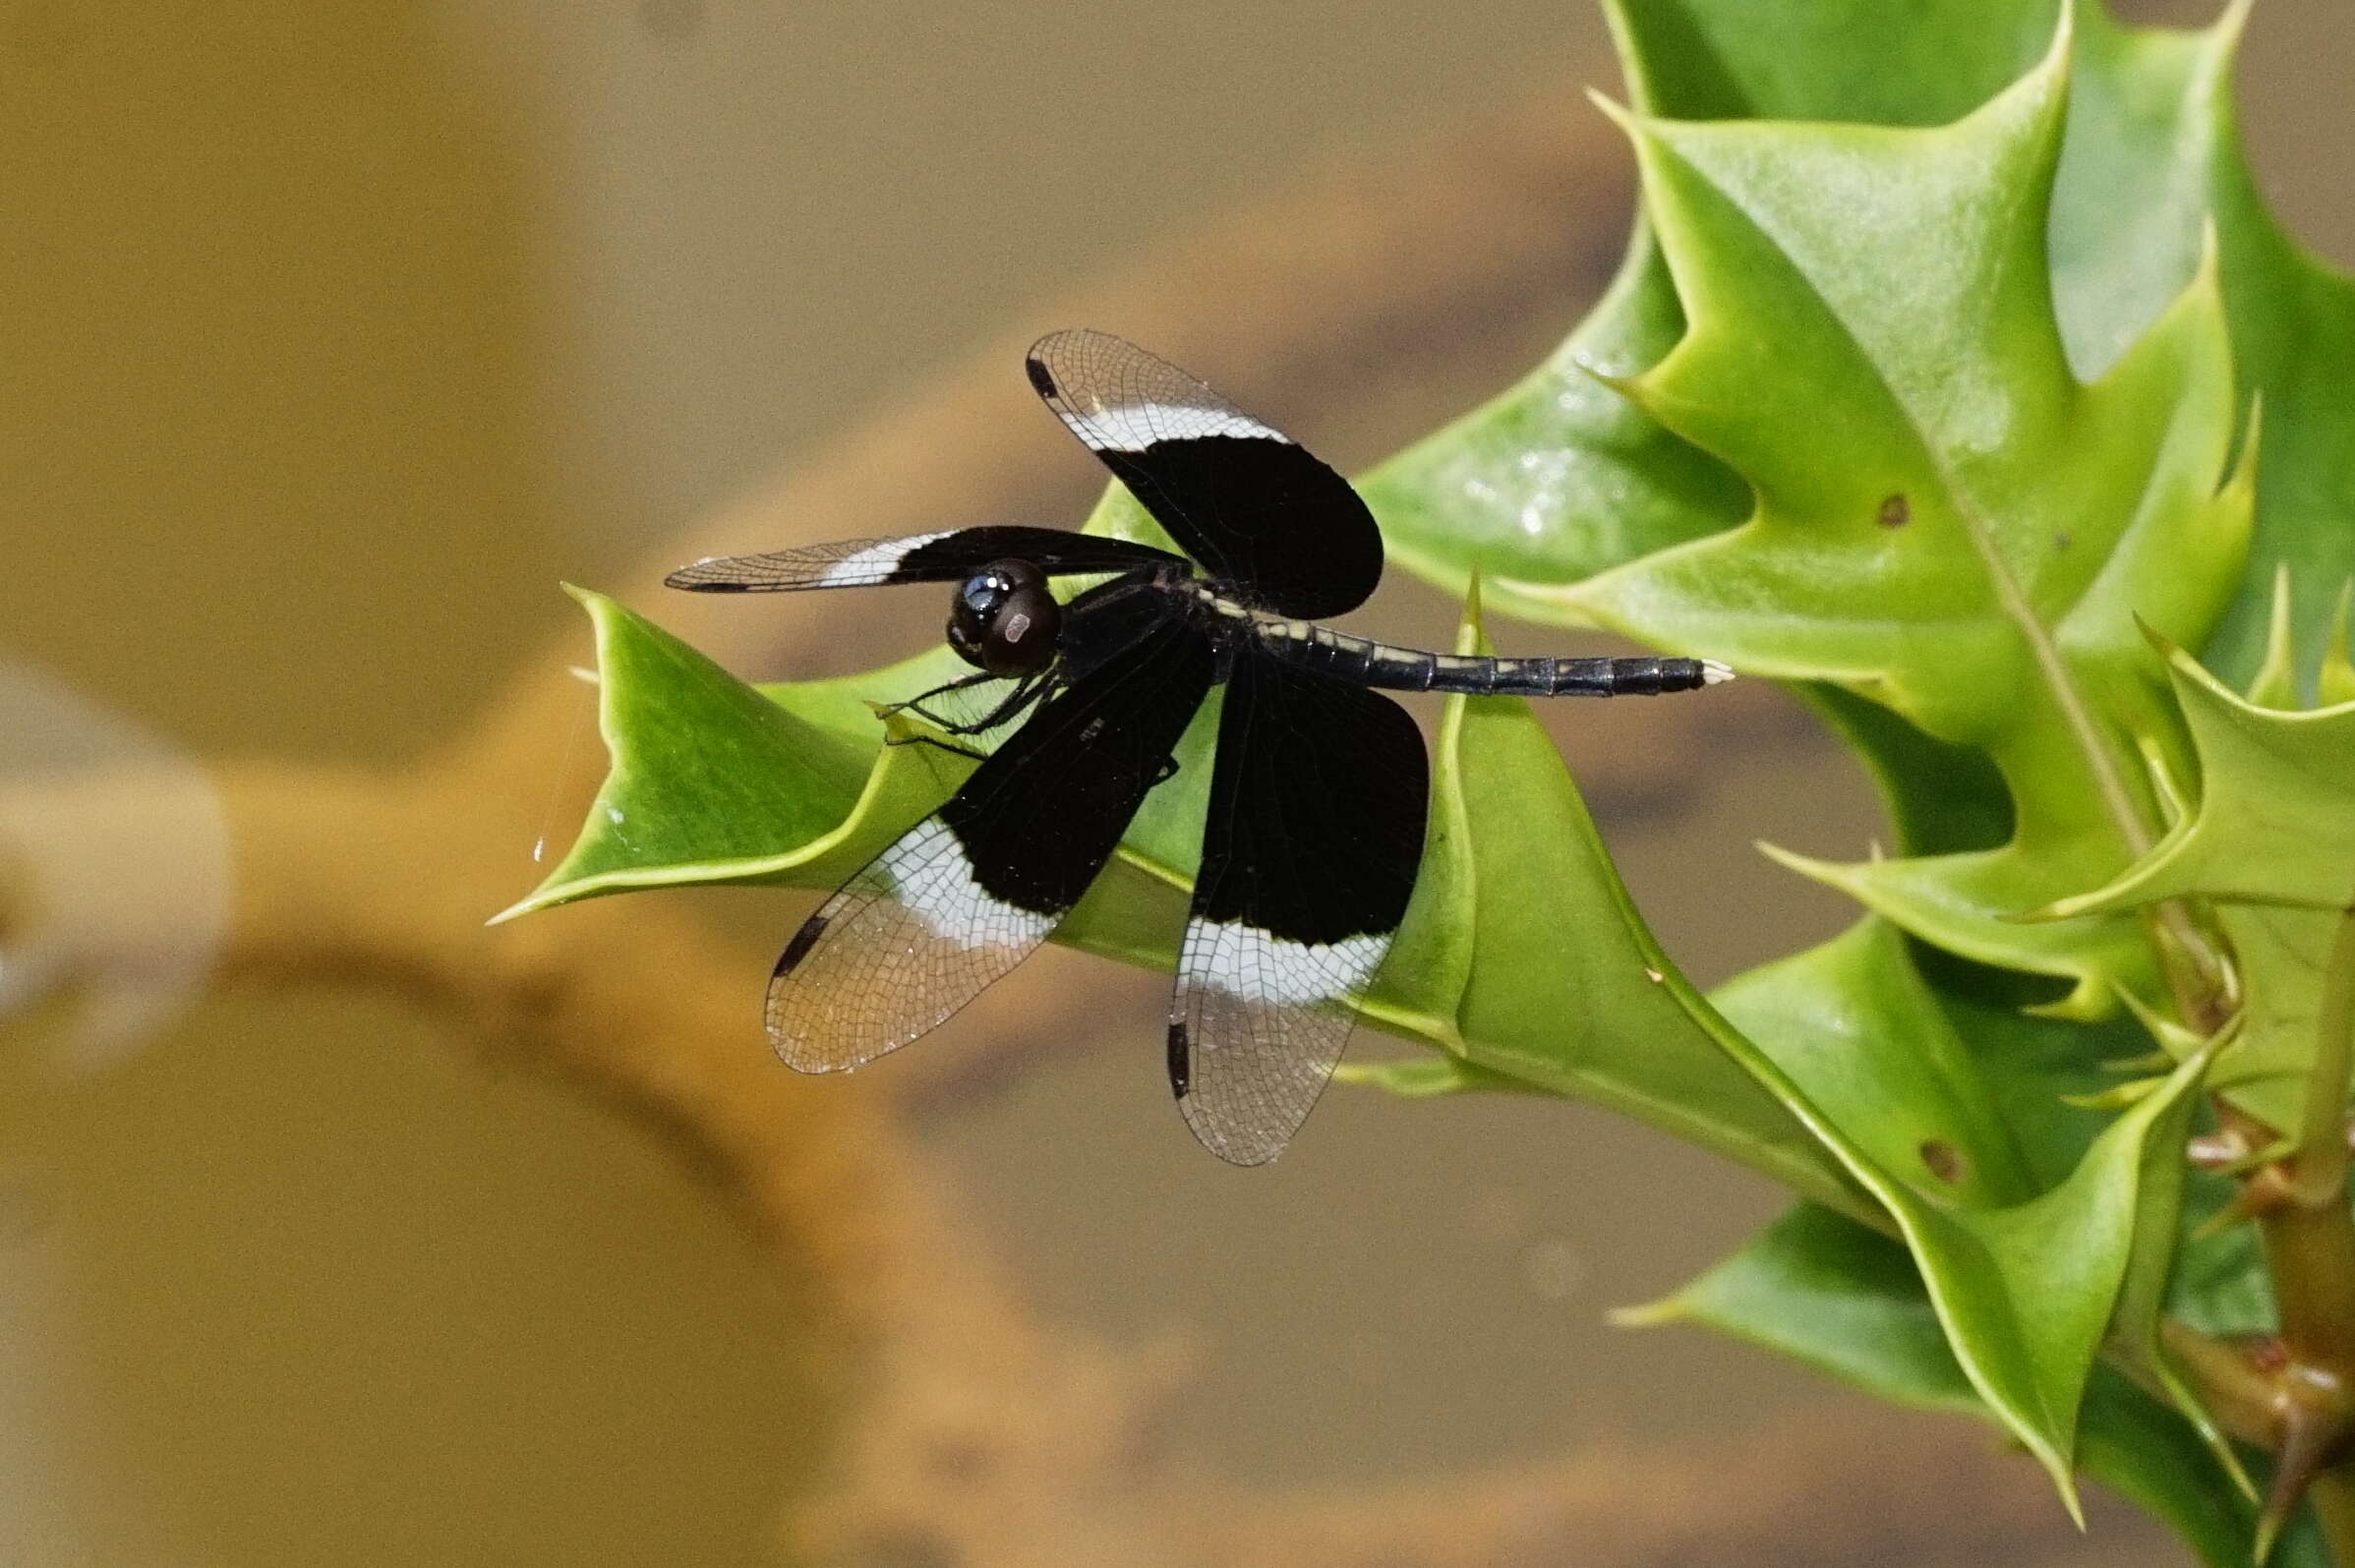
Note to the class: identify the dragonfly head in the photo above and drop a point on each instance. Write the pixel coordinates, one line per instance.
(1004, 620)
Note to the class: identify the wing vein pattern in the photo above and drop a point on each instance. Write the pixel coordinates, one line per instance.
(966, 894)
(1265, 516)
(949, 556)
(1317, 805)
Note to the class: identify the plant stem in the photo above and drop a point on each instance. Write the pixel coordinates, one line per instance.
(2303, 1405)
(2309, 1235)
(2310, 1252)
(2312, 1255)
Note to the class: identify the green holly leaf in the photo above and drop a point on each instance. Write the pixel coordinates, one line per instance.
(1940, 799)
(2335, 683)
(1524, 954)
(1501, 959)
(2280, 952)
(1558, 479)
(1430, 1077)
(1562, 476)
(1848, 1302)
(1859, 1034)
(2293, 334)
(2219, 1286)
(1948, 522)
(2271, 841)
(2026, 1282)
(1847, 1038)
(2135, 1341)
(1835, 1295)
(2275, 818)
(711, 783)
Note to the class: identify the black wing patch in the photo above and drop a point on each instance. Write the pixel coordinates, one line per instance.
(1243, 498)
(948, 556)
(966, 893)
(1314, 835)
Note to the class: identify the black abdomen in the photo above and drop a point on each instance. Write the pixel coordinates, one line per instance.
(1366, 663)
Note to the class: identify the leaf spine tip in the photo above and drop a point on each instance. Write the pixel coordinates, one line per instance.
(1613, 109)
(2226, 32)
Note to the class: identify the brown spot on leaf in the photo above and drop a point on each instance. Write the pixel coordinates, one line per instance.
(1896, 511)
(1944, 1161)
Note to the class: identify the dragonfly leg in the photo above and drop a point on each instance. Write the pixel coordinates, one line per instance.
(915, 703)
(1026, 690)
(937, 744)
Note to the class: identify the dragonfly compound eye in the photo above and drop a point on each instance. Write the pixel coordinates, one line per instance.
(1005, 620)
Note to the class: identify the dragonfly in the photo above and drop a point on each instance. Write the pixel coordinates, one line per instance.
(1319, 785)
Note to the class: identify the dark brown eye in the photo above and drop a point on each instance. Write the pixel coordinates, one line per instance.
(1021, 639)
(1005, 620)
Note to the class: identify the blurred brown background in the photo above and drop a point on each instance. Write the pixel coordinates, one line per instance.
(330, 338)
